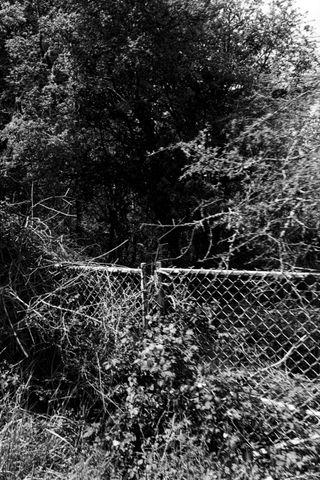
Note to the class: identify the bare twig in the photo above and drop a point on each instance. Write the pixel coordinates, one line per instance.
(286, 356)
(25, 353)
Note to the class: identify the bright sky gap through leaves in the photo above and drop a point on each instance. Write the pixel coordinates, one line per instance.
(312, 8)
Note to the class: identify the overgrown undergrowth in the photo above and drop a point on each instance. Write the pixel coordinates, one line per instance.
(125, 403)
(93, 395)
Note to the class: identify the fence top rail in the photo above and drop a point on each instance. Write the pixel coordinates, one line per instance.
(100, 268)
(226, 273)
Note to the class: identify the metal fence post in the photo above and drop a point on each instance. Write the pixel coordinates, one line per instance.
(144, 294)
(158, 288)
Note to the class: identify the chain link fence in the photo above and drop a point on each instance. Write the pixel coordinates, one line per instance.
(90, 300)
(101, 293)
(257, 319)
(260, 328)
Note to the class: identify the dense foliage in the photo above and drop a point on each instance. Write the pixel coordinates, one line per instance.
(269, 170)
(98, 99)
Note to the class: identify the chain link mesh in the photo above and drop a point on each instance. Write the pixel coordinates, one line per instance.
(263, 330)
(257, 319)
(95, 294)
(103, 292)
